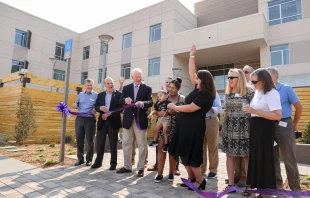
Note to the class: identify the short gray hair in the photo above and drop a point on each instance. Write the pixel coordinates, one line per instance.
(248, 66)
(88, 80)
(136, 70)
(273, 70)
(108, 78)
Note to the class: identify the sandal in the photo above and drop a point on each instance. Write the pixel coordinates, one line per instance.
(245, 192)
(228, 187)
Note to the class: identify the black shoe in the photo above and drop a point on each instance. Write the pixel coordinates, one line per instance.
(165, 149)
(170, 177)
(153, 144)
(158, 179)
(96, 165)
(202, 185)
(112, 167)
(192, 180)
(88, 163)
(79, 162)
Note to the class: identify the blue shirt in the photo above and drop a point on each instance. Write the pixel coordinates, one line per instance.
(287, 97)
(217, 107)
(86, 101)
(108, 97)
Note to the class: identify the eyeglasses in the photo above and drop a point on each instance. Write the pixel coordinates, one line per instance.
(254, 82)
(232, 77)
(246, 72)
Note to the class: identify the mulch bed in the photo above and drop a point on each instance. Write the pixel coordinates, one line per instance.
(303, 183)
(36, 158)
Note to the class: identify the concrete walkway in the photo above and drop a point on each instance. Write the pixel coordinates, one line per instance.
(18, 179)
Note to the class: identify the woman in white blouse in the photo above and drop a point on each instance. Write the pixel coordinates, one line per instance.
(265, 110)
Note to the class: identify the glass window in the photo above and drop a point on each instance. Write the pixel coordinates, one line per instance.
(283, 11)
(154, 67)
(20, 38)
(155, 32)
(125, 71)
(84, 76)
(17, 66)
(59, 51)
(127, 38)
(280, 55)
(59, 75)
(86, 53)
(100, 75)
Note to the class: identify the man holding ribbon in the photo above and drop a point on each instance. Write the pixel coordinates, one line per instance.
(135, 120)
(85, 126)
(109, 122)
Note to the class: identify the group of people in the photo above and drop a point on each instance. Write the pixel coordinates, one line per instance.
(257, 124)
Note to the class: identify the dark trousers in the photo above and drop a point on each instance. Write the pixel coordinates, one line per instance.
(105, 130)
(85, 127)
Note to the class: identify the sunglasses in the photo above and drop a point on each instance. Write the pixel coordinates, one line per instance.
(232, 77)
(246, 72)
(254, 82)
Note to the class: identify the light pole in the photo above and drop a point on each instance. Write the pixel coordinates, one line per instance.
(54, 60)
(104, 42)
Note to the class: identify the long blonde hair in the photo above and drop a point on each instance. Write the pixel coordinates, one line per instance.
(241, 85)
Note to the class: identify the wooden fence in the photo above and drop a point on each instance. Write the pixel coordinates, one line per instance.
(304, 96)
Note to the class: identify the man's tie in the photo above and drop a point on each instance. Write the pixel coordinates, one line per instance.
(136, 92)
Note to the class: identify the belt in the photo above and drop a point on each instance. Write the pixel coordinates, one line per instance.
(210, 117)
(282, 119)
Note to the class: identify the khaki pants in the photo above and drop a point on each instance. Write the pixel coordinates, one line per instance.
(286, 143)
(128, 138)
(211, 142)
(134, 144)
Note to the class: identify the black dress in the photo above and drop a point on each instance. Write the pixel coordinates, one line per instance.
(188, 137)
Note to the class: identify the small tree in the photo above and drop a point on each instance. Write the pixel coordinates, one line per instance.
(306, 136)
(25, 113)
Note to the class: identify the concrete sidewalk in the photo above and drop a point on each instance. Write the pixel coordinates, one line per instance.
(18, 179)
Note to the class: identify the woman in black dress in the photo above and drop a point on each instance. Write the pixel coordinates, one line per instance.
(187, 141)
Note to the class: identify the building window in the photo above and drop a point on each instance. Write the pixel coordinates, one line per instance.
(17, 66)
(155, 32)
(219, 73)
(100, 75)
(125, 71)
(20, 38)
(84, 76)
(86, 53)
(154, 67)
(127, 38)
(283, 11)
(59, 75)
(59, 51)
(279, 55)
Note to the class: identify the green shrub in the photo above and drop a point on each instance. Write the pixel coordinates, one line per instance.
(44, 141)
(4, 139)
(52, 144)
(40, 159)
(308, 178)
(71, 152)
(68, 138)
(49, 162)
(42, 155)
(74, 143)
(306, 135)
(56, 154)
(40, 149)
(305, 182)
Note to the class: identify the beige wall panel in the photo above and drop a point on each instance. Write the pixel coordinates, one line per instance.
(140, 51)
(156, 9)
(141, 24)
(141, 15)
(126, 56)
(44, 59)
(36, 43)
(299, 52)
(46, 72)
(6, 65)
(155, 48)
(95, 32)
(116, 24)
(6, 48)
(85, 64)
(94, 62)
(140, 37)
(85, 35)
(61, 65)
(305, 9)
(166, 64)
(7, 34)
(36, 69)
(116, 44)
(34, 56)
(13, 23)
(95, 50)
(286, 70)
(127, 29)
(178, 27)
(117, 32)
(114, 57)
(167, 16)
(128, 19)
(167, 29)
(167, 6)
(180, 18)
(155, 20)
(20, 53)
(188, 15)
(49, 46)
(167, 45)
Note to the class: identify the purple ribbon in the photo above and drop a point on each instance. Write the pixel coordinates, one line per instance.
(63, 108)
(233, 188)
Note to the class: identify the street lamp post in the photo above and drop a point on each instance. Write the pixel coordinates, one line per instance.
(54, 60)
(104, 42)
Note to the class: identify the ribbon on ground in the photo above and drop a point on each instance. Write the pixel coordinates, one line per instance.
(233, 188)
(63, 108)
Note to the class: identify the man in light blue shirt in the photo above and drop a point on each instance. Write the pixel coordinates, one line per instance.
(285, 135)
(212, 139)
(85, 126)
